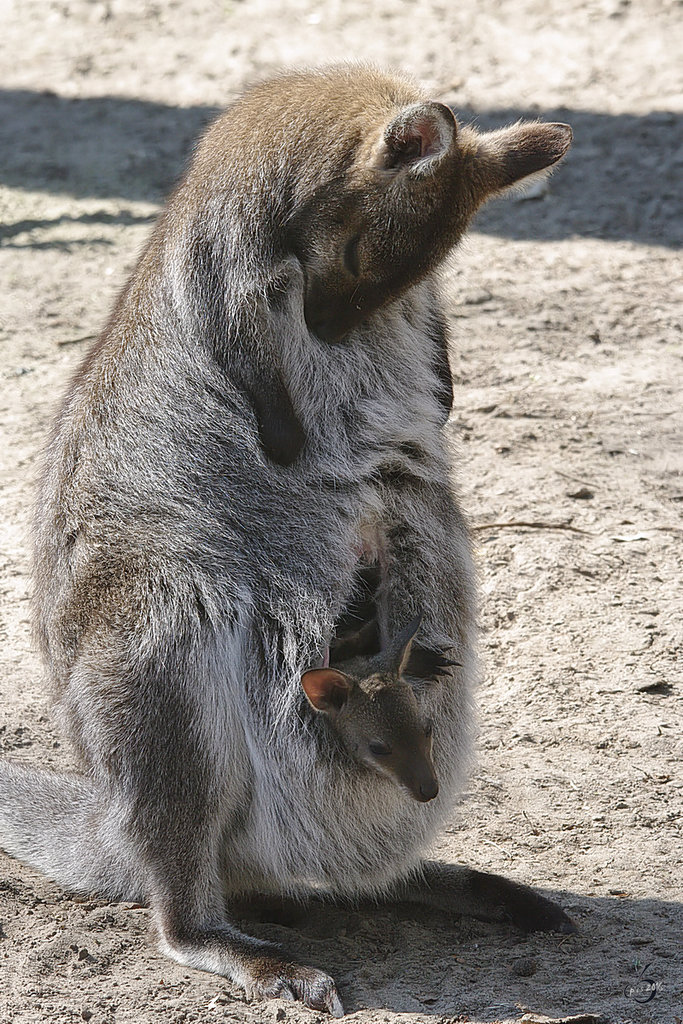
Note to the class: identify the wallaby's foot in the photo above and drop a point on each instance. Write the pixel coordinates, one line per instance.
(485, 896)
(519, 904)
(258, 967)
(273, 978)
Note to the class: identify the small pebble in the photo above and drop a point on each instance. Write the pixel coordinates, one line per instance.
(524, 967)
(476, 297)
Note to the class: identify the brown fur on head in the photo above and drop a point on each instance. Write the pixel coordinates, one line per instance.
(396, 187)
(377, 716)
(362, 185)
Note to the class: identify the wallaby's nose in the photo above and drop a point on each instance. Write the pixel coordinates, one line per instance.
(428, 790)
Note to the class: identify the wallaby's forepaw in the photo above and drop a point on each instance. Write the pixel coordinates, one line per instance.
(278, 979)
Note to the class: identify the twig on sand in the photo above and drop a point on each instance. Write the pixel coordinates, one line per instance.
(578, 1018)
(76, 341)
(576, 479)
(502, 849)
(533, 525)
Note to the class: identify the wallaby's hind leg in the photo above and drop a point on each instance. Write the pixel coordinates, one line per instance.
(183, 776)
(189, 911)
(258, 967)
(488, 897)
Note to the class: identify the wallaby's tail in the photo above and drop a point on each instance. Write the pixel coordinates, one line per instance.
(70, 828)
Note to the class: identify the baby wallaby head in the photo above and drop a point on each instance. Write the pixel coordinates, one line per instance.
(374, 711)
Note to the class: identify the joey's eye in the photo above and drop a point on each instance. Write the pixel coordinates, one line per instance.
(351, 259)
(428, 729)
(379, 749)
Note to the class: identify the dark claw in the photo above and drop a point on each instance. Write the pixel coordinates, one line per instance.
(428, 664)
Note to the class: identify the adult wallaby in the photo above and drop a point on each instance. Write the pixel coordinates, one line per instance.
(259, 420)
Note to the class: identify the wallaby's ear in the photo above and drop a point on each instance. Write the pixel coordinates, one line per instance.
(511, 154)
(398, 652)
(421, 133)
(327, 690)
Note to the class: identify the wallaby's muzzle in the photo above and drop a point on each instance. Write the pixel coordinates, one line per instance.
(428, 790)
(418, 779)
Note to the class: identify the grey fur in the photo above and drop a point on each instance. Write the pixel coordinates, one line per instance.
(215, 474)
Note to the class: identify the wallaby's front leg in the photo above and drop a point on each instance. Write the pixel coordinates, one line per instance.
(488, 897)
(428, 568)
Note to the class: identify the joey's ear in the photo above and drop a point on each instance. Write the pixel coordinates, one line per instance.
(327, 690)
(511, 154)
(398, 652)
(417, 136)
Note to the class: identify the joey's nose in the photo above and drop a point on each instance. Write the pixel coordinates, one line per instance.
(428, 790)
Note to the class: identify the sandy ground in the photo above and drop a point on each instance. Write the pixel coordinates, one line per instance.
(567, 434)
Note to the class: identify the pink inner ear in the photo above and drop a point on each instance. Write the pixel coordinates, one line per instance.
(418, 134)
(325, 688)
(426, 131)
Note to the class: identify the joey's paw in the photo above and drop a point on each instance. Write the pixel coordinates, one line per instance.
(424, 663)
(278, 979)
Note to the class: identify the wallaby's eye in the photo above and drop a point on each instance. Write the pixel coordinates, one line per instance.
(428, 729)
(351, 260)
(379, 749)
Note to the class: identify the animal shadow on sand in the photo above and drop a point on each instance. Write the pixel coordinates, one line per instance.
(619, 182)
(624, 959)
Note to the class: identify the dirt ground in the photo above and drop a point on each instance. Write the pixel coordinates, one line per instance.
(568, 448)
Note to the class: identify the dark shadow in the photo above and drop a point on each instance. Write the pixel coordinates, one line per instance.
(626, 962)
(620, 180)
(9, 231)
(103, 147)
(102, 217)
